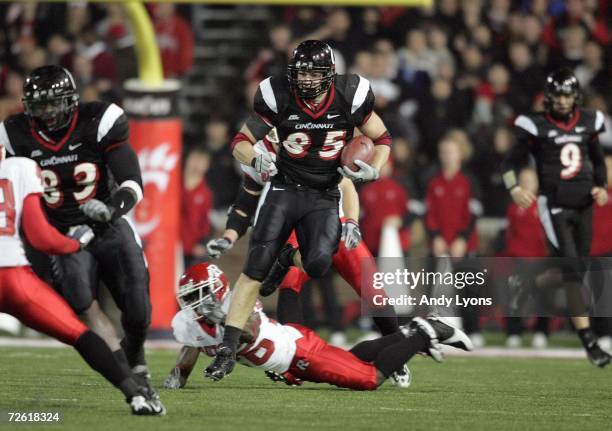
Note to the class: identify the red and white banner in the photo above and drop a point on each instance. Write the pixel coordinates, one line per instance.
(156, 135)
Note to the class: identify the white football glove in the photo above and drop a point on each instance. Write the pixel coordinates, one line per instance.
(217, 247)
(97, 211)
(82, 233)
(351, 235)
(265, 164)
(173, 381)
(365, 172)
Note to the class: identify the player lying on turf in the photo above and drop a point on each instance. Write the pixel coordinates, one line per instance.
(292, 351)
(29, 299)
(353, 260)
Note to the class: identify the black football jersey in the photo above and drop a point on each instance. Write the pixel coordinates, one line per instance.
(311, 139)
(565, 154)
(73, 167)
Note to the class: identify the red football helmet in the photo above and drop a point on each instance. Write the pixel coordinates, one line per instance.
(202, 288)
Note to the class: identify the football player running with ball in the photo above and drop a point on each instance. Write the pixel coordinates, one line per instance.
(91, 176)
(315, 113)
(293, 353)
(353, 260)
(572, 175)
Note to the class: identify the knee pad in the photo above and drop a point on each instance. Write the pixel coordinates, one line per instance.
(317, 266)
(573, 269)
(136, 314)
(259, 261)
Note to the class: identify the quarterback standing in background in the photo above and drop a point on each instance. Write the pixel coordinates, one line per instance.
(564, 140)
(91, 176)
(315, 113)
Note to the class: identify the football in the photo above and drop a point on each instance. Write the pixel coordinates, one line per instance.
(359, 148)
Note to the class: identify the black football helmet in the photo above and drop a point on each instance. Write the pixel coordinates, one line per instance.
(311, 56)
(50, 97)
(561, 82)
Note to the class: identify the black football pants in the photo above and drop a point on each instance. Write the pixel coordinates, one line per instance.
(314, 216)
(116, 257)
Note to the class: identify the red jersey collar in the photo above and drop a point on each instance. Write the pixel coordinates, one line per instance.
(322, 107)
(49, 143)
(565, 126)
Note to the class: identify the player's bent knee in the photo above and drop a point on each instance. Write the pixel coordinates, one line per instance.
(317, 266)
(259, 261)
(137, 315)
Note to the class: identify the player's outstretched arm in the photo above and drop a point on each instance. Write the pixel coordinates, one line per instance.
(40, 234)
(599, 192)
(516, 159)
(351, 235)
(239, 219)
(186, 360)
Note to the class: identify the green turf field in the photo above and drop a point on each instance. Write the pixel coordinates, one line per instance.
(461, 394)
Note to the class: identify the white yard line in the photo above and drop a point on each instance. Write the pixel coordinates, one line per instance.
(486, 352)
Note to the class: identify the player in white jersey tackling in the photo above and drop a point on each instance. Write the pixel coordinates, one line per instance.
(293, 352)
(29, 299)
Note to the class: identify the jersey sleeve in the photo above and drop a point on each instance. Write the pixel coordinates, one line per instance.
(180, 329)
(113, 128)
(266, 102)
(31, 180)
(600, 125)
(518, 156)
(362, 101)
(5, 140)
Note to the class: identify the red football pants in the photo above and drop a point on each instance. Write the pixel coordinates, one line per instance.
(29, 299)
(316, 361)
(356, 267)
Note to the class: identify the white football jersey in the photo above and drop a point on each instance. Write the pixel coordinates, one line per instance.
(18, 178)
(273, 349)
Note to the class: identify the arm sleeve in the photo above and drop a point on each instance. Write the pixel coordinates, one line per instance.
(599, 164)
(123, 163)
(517, 158)
(40, 234)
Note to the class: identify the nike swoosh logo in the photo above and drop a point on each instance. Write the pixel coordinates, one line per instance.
(277, 189)
(579, 129)
(74, 147)
(329, 117)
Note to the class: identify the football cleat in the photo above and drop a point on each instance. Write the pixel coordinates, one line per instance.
(277, 272)
(147, 403)
(597, 356)
(440, 331)
(403, 378)
(222, 365)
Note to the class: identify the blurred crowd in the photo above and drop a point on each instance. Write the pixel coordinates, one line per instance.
(448, 80)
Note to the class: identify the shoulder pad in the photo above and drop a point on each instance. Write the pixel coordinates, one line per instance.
(527, 124)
